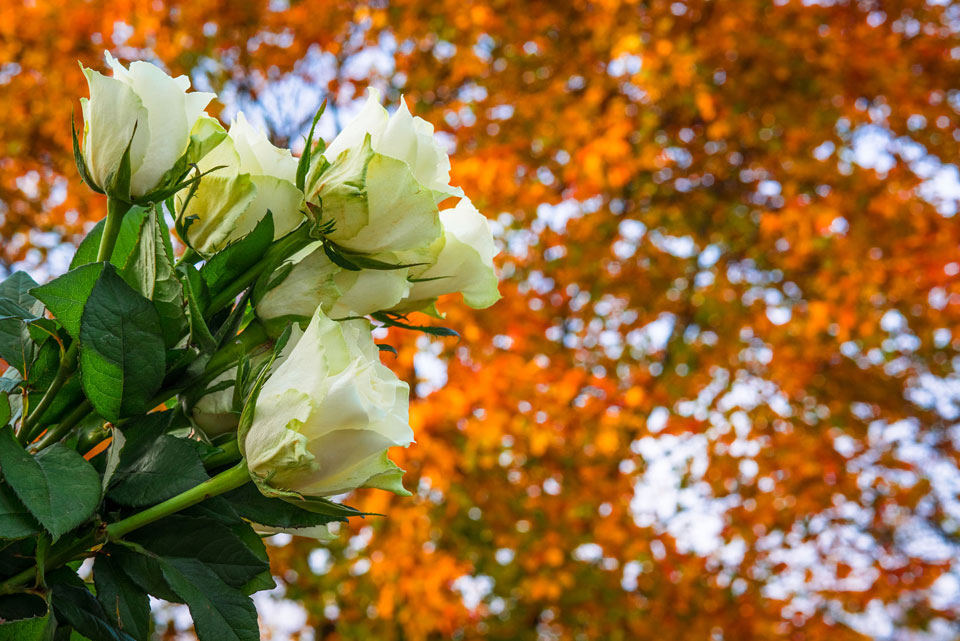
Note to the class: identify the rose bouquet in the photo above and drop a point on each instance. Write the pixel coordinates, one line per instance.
(159, 415)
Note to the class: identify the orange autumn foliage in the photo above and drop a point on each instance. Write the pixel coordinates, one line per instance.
(702, 409)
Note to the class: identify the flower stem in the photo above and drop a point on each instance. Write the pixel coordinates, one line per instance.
(283, 248)
(225, 481)
(116, 209)
(67, 364)
(57, 556)
(230, 452)
(189, 257)
(54, 434)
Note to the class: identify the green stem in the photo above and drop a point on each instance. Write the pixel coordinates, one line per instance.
(116, 209)
(253, 336)
(233, 290)
(283, 248)
(59, 555)
(225, 481)
(67, 364)
(189, 257)
(230, 453)
(54, 434)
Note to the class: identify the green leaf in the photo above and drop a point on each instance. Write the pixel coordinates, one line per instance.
(16, 521)
(393, 321)
(366, 262)
(149, 270)
(43, 368)
(125, 603)
(215, 508)
(74, 605)
(233, 260)
(69, 634)
(143, 569)
(253, 542)
(220, 613)
(326, 508)
(58, 486)
(303, 166)
(140, 268)
(383, 347)
(141, 432)
(32, 629)
(5, 410)
(338, 259)
(167, 467)
(113, 458)
(16, 345)
(126, 239)
(122, 354)
(196, 293)
(80, 161)
(252, 505)
(66, 295)
(25, 618)
(16, 556)
(22, 606)
(210, 542)
(17, 288)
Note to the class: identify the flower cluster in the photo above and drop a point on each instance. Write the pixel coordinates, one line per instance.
(379, 243)
(141, 384)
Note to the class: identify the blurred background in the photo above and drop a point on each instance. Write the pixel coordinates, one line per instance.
(720, 397)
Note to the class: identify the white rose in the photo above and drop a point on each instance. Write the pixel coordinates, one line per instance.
(401, 136)
(145, 98)
(229, 202)
(315, 281)
(465, 263)
(327, 415)
(379, 183)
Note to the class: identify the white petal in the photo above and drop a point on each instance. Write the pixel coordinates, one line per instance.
(280, 197)
(309, 285)
(195, 103)
(372, 120)
(220, 204)
(368, 291)
(167, 120)
(471, 227)
(109, 119)
(258, 156)
(387, 212)
(465, 263)
(347, 460)
(399, 139)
